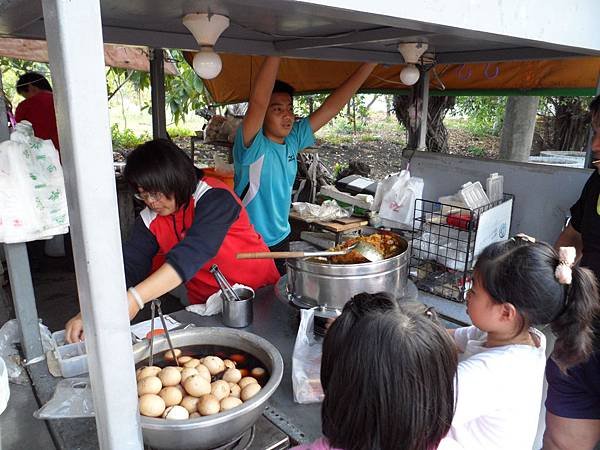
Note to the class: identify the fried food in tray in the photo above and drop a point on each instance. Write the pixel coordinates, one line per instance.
(388, 245)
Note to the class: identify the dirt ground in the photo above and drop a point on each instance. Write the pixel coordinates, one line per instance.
(381, 152)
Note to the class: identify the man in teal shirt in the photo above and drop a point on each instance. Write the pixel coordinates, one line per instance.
(266, 145)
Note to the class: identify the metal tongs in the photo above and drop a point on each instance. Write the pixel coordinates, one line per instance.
(368, 251)
(154, 306)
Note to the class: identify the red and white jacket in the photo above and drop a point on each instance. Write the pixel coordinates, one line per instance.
(210, 229)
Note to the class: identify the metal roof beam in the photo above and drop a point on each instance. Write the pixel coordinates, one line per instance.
(508, 54)
(377, 35)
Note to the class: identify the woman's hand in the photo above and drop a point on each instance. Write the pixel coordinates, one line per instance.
(74, 329)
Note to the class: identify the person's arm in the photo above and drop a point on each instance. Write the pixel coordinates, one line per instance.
(338, 98)
(258, 103)
(570, 237)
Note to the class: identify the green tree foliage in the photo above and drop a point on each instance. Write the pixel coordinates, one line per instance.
(485, 113)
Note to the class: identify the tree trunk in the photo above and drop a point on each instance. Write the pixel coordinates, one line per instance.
(437, 134)
(519, 125)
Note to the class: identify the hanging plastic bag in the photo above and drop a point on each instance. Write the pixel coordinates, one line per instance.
(33, 204)
(306, 361)
(398, 204)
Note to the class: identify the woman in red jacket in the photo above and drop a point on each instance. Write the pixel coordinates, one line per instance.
(190, 223)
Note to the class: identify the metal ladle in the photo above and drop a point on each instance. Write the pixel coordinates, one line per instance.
(154, 306)
(368, 251)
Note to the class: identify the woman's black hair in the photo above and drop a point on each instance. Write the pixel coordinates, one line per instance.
(32, 79)
(160, 166)
(282, 86)
(387, 372)
(595, 111)
(522, 273)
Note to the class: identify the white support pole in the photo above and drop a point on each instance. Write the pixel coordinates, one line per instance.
(75, 48)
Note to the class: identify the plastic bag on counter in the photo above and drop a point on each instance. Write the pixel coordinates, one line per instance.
(4, 388)
(10, 335)
(398, 200)
(328, 210)
(306, 361)
(72, 399)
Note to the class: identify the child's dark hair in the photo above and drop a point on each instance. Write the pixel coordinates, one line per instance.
(160, 166)
(282, 86)
(522, 273)
(32, 79)
(388, 376)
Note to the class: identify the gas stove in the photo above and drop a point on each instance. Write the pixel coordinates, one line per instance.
(262, 436)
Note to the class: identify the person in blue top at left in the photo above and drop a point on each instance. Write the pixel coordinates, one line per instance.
(266, 145)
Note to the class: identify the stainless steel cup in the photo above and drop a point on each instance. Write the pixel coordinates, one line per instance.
(238, 313)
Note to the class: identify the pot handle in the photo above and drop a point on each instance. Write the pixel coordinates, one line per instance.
(270, 255)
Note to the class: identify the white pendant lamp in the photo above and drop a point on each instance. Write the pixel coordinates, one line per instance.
(206, 28)
(411, 52)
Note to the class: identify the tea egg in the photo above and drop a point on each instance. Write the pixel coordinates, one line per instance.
(187, 372)
(170, 376)
(194, 415)
(169, 356)
(258, 372)
(232, 375)
(220, 389)
(229, 403)
(244, 372)
(196, 386)
(192, 363)
(214, 364)
(246, 381)
(229, 364)
(203, 372)
(250, 391)
(235, 390)
(238, 358)
(151, 405)
(149, 385)
(208, 404)
(171, 395)
(184, 359)
(149, 371)
(176, 413)
(190, 403)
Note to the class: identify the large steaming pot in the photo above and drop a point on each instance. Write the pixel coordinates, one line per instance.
(212, 431)
(311, 283)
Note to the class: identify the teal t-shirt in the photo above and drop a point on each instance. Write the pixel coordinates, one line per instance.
(264, 177)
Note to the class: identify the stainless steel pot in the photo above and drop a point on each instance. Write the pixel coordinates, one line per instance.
(311, 283)
(209, 432)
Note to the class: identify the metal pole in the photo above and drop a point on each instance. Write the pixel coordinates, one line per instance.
(20, 278)
(157, 89)
(75, 49)
(588, 147)
(424, 97)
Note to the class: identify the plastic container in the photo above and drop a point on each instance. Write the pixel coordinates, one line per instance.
(72, 358)
(225, 178)
(473, 195)
(449, 203)
(495, 187)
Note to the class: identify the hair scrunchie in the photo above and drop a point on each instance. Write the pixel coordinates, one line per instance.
(563, 272)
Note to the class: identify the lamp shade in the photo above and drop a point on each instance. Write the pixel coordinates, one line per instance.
(207, 64)
(206, 28)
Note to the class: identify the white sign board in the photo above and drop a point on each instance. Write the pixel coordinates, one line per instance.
(494, 226)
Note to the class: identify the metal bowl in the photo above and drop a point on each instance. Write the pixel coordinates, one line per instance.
(209, 432)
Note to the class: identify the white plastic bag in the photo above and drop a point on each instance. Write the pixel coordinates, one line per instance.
(72, 399)
(398, 203)
(33, 204)
(306, 361)
(4, 388)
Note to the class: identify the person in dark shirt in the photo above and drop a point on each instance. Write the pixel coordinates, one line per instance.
(573, 401)
(38, 106)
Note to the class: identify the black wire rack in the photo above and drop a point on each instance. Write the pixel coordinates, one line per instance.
(443, 246)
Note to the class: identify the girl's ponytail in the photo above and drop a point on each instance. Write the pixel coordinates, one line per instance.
(574, 327)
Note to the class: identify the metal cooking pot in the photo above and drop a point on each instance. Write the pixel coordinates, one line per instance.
(209, 432)
(311, 283)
